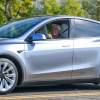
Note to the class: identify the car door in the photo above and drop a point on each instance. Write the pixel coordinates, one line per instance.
(50, 59)
(86, 61)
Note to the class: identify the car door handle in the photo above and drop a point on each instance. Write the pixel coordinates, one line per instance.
(66, 46)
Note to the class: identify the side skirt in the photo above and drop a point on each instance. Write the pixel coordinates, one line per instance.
(57, 82)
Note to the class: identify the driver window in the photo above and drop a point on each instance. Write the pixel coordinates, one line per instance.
(55, 30)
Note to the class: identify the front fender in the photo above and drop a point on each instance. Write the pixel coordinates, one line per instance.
(18, 56)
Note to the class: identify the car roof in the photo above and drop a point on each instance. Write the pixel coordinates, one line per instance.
(74, 17)
(65, 16)
(49, 17)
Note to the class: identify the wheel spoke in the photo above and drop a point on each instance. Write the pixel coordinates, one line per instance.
(9, 80)
(4, 66)
(1, 68)
(9, 69)
(0, 80)
(10, 75)
(1, 85)
(6, 84)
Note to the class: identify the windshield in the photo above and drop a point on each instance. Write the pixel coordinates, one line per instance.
(18, 28)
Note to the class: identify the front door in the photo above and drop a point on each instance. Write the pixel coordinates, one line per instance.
(51, 59)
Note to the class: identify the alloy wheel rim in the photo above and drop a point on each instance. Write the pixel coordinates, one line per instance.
(7, 76)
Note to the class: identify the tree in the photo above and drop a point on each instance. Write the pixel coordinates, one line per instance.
(51, 7)
(15, 9)
(22, 8)
(73, 8)
(7, 9)
(92, 8)
(68, 7)
(2, 12)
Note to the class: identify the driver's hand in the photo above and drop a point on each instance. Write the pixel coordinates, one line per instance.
(49, 36)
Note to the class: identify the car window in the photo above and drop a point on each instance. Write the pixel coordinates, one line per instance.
(55, 29)
(84, 28)
(42, 30)
(18, 28)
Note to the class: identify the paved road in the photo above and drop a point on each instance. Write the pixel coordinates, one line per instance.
(61, 92)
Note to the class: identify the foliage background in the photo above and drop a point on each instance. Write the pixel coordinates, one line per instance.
(16, 9)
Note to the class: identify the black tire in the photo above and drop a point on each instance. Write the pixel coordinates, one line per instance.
(12, 70)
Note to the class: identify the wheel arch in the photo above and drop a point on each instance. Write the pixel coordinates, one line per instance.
(18, 65)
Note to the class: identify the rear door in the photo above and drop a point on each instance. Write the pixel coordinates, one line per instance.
(86, 61)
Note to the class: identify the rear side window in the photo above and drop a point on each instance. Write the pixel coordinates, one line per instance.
(84, 28)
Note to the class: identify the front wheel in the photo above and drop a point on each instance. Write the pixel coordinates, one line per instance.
(8, 76)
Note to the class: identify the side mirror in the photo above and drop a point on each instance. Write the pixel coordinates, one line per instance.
(38, 36)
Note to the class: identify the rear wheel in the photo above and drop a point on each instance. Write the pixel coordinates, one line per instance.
(8, 76)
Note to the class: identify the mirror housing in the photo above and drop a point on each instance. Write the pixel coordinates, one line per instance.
(38, 36)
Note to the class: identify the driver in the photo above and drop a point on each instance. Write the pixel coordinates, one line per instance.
(55, 31)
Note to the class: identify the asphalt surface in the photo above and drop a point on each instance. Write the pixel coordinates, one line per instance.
(59, 92)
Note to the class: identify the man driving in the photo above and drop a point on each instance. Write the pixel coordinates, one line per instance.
(55, 31)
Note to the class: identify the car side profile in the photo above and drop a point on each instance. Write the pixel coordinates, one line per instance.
(50, 49)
